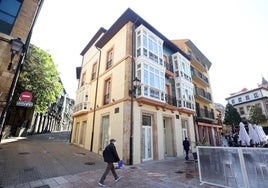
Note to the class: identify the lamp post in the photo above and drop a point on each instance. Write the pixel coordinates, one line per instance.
(135, 84)
(16, 46)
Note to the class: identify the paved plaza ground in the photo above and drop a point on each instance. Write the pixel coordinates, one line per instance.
(50, 161)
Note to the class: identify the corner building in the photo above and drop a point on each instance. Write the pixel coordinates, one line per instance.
(149, 120)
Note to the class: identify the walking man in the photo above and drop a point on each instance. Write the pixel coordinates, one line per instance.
(186, 147)
(110, 156)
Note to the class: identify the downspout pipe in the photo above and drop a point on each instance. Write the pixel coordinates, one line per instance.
(95, 101)
(132, 93)
(17, 73)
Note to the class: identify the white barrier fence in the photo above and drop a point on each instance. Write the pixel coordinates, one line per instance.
(242, 167)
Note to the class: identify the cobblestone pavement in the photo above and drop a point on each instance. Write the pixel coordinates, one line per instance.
(49, 161)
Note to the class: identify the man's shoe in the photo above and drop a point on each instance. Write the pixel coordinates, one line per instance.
(102, 184)
(117, 179)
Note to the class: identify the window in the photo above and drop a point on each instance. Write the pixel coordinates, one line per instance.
(248, 108)
(166, 62)
(258, 105)
(182, 67)
(149, 45)
(109, 59)
(247, 97)
(255, 95)
(107, 90)
(233, 101)
(239, 99)
(155, 79)
(94, 70)
(83, 79)
(241, 110)
(9, 10)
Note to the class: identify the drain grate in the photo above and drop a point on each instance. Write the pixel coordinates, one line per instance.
(28, 174)
(43, 186)
(89, 163)
(179, 172)
(23, 153)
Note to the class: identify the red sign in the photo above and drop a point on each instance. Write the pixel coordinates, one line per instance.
(26, 96)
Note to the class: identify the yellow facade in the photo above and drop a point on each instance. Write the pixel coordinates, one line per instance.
(207, 125)
(157, 128)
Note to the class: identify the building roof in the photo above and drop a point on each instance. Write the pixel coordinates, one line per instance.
(196, 51)
(93, 40)
(245, 91)
(130, 16)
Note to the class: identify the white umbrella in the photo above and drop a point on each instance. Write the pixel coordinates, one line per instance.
(261, 133)
(243, 135)
(253, 133)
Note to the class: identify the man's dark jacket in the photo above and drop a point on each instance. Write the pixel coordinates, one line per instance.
(110, 154)
(186, 144)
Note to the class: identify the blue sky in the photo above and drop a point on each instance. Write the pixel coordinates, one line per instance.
(232, 34)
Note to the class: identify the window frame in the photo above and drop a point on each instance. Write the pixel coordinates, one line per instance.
(94, 71)
(83, 79)
(8, 19)
(110, 56)
(107, 91)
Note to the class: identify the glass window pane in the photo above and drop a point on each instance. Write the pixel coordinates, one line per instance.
(151, 79)
(145, 76)
(10, 7)
(8, 12)
(144, 40)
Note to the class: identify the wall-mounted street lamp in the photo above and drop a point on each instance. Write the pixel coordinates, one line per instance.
(16, 47)
(134, 85)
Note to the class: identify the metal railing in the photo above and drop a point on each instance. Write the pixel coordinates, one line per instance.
(241, 167)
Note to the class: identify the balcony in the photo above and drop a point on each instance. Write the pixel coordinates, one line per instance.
(202, 94)
(169, 72)
(81, 107)
(206, 115)
(169, 102)
(197, 62)
(106, 99)
(198, 75)
(82, 88)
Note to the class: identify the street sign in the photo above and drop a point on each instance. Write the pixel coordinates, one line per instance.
(24, 103)
(26, 96)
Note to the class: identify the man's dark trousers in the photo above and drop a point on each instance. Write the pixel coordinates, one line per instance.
(110, 166)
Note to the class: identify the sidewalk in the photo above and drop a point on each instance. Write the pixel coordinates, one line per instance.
(167, 173)
(45, 161)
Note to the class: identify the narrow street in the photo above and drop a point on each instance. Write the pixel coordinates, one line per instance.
(43, 156)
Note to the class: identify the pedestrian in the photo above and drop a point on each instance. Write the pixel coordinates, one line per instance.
(186, 147)
(110, 156)
(235, 138)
